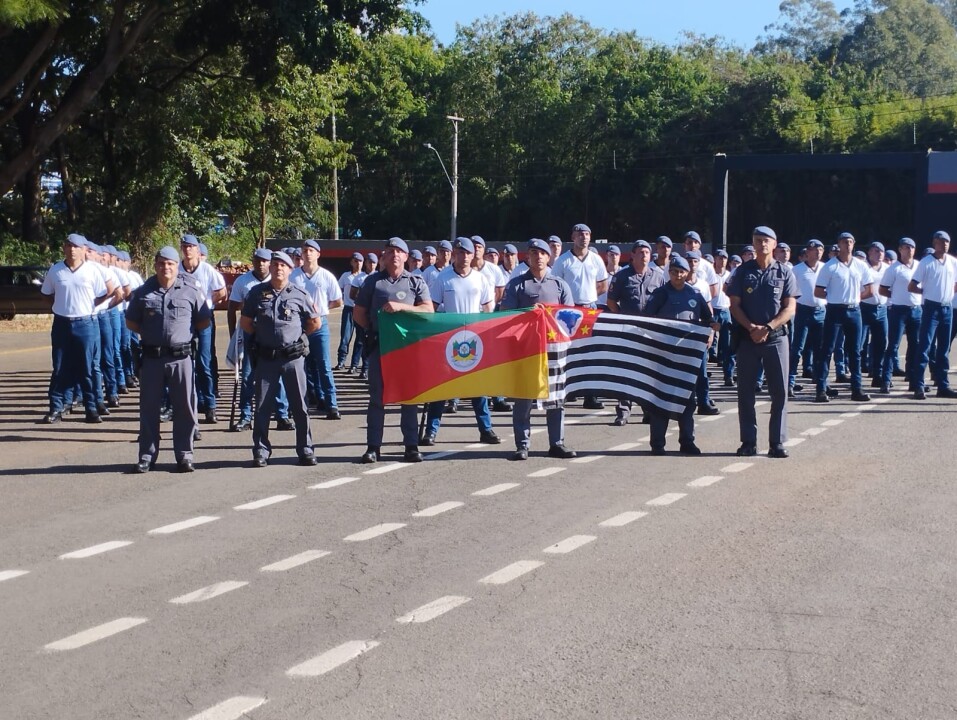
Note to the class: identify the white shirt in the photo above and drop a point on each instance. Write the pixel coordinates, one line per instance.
(209, 278)
(345, 284)
(896, 278)
(721, 301)
(875, 273)
(74, 291)
(706, 272)
(581, 275)
(521, 269)
(322, 286)
(936, 278)
(429, 274)
(806, 277)
(494, 275)
(457, 294)
(702, 286)
(243, 284)
(108, 277)
(844, 282)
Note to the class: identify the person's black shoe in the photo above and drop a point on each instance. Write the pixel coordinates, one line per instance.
(884, 389)
(822, 397)
(142, 467)
(285, 424)
(620, 421)
(561, 452)
(51, 418)
(593, 404)
(370, 456)
(197, 435)
(689, 449)
(113, 401)
(260, 462)
(919, 394)
(308, 460)
(831, 392)
(412, 454)
(166, 414)
(729, 383)
(876, 382)
(184, 466)
(101, 409)
(93, 417)
(333, 414)
(133, 381)
(520, 454)
(860, 396)
(364, 375)
(798, 387)
(338, 367)
(428, 440)
(710, 409)
(899, 373)
(843, 378)
(451, 406)
(807, 374)
(946, 392)
(321, 405)
(211, 418)
(778, 451)
(747, 450)
(489, 437)
(352, 370)
(501, 406)
(657, 451)
(791, 394)
(123, 390)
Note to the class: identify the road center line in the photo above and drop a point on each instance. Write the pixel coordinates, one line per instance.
(96, 633)
(705, 481)
(666, 499)
(10, 574)
(736, 467)
(862, 408)
(373, 532)
(510, 572)
(569, 544)
(885, 399)
(432, 610)
(811, 432)
(623, 519)
(95, 550)
(438, 509)
(545, 472)
(295, 561)
(209, 592)
(233, 709)
(332, 483)
(265, 502)
(585, 459)
(572, 421)
(624, 447)
(332, 659)
(832, 423)
(495, 489)
(849, 415)
(185, 525)
(476, 446)
(382, 469)
(794, 441)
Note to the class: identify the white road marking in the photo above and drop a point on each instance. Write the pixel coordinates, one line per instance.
(705, 481)
(233, 709)
(185, 525)
(886, 399)
(536, 431)
(759, 403)
(373, 532)
(95, 550)
(599, 413)
(476, 446)
(330, 660)
(10, 574)
(849, 415)
(569, 544)
(295, 561)
(811, 432)
(545, 472)
(265, 502)
(93, 634)
(382, 469)
(867, 407)
(666, 499)
(440, 455)
(710, 418)
(573, 421)
(585, 459)
(332, 483)
(438, 509)
(209, 592)
(623, 519)
(624, 447)
(432, 610)
(736, 467)
(794, 441)
(732, 411)
(832, 423)
(495, 489)
(510, 572)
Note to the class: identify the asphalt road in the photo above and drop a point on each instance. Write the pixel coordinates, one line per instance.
(619, 585)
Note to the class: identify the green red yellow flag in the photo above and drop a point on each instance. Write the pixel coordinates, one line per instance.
(439, 356)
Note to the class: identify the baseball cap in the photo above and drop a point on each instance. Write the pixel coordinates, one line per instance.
(311, 244)
(860, 254)
(445, 245)
(721, 252)
(203, 250)
(640, 244)
(879, 246)
(397, 243)
(167, 253)
(357, 256)
(890, 255)
(283, 258)
(554, 240)
(415, 254)
(814, 242)
(845, 236)
(748, 249)
(464, 243)
(693, 255)
(478, 240)
(372, 257)
(784, 246)
(491, 251)
(941, 235)
(736, 258)
(430, 250)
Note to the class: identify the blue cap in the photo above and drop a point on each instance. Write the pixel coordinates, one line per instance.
(280, 256)
(397, 243)
(189, 240)
(679, 261)
(709, 257)
(890, 255)
(814, 242)
(168, 253)
(721, 252)
(296, 252)
(554, 239)
(491, 251)
(860, 254)
(539, 244)
(845, 236)
(415, 254)
(77, 240)
(833, 248)
(692, 235)
(693, 255)
(879, 246)
(941, 235)
(640, 244)
(262, 254)
(748, 249)
(203, 250)
(357, 256)
(90, 245)
(736, 258)
(764, 231)
(478, 240)
(110, 250)
(581, 227)
(928, 251)
(372, 257)
(908, 242)
(430, 250)
(464, 243)
(311, 244)
(784, 245)
(510, 249)
(664, 240)
(445, 245)
(614, 250)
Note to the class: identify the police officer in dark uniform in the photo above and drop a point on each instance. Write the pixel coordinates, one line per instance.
(167, 311)
(763, 296)
(628, 294)
(276, 314)
(390, 289)
(537, 286)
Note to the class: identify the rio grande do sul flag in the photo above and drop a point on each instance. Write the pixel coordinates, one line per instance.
(439, 356)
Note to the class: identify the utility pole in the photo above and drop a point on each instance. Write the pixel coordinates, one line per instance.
(335, 186)
(455, 173)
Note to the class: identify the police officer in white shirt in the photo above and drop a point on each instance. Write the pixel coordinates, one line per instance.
(903, 315)
(809, 314)
(347, 327)
(874, 317)
(369, 265)
(489, 270)
(697, 280)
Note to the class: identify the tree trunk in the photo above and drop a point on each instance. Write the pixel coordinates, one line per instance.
(263, 201)
(67, 187)
(31, 228)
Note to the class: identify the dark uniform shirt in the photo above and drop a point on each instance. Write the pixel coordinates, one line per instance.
(279, 314)
(631, 291)
(762, 291)
(168, 317)
(379, 288)
(687, 304)
(525, 291)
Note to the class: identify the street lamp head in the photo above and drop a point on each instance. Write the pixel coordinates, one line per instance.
(428, 146)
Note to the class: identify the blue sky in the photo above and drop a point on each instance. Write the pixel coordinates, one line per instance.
(740, 21)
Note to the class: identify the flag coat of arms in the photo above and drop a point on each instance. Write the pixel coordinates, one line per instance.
(438, 356)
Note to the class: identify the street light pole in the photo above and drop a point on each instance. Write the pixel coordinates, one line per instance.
(454, 178)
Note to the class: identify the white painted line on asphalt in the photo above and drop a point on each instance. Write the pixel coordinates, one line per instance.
(10, 574)
(599, 413)
(265, 502)
(623, 519)
(95, 550)
(832, 423)
(185, 525)
(432, 610)
(569, 544)
(374, 532)
(332, 483)
(624, 447)
(585, 459)
(440, 455)
(849, 415)
(573, 421)
(209, 592)
(759, 403)
(794, 441)
(736, 467)
(438, 509)
(510, 572)
(886, 399)
(867, 407)
(710, 418)
(545, 472)
(536, 431)
(330, 660)
(476, 446)
(666, 499)
(732, 411)
(233, 709)
(705, 481)
(495, 489)
(383, 469)
(811, 432)
(93, 634)
(295, 561)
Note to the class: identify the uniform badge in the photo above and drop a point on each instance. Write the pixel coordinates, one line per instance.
(401, 295)
(749, 290)
(692, 303)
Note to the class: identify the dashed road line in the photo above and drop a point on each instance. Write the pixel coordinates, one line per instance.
(438, 509)
(330, 660)
(11, 574)
(624, 447)
(569, 544)
(332, 483)
(184, 525)
(585, 459)
(710, 418)
(265, 502)
(441, 455)
(383, 469)
(623, 519)
(295, 561)
(811, 432)
(849, 415)
(705, 481)
(793, 442)
(209, 592)
(96, 550)
(99, 632)
(510, 572)
(233, 709)
(832, 423)
(666, 499)
(476, 446)
(432, 610)
(866, 407)
(886, 399)
(736, 467)
(572, 421)
(545, 472)
(495, 489)
(373, 532)
(759, 403)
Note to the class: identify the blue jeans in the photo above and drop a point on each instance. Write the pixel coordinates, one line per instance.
(482, 415)
(522, 424)
(723, 318)
(935, 324)
(902, 321)
(319, 369)
(702, 387)
(119, 322)
(346, 331)
(837, 318)
(874, 318)
(126, 350)
(73, 342)
(205, 389)
(808, 332)
(108, 357)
